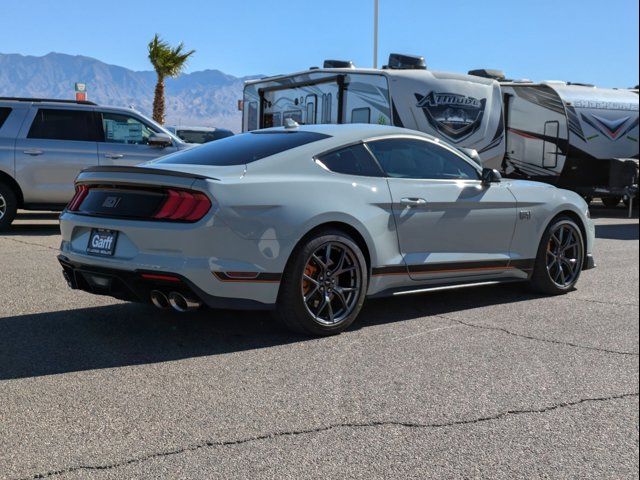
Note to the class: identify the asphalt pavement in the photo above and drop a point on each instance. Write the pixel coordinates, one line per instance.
(482, 383)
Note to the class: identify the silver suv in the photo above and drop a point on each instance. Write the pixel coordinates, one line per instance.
(44, 144)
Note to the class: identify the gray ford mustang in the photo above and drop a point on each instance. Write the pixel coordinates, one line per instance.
(311, 220)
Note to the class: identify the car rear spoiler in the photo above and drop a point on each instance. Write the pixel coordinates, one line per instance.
(151, 171)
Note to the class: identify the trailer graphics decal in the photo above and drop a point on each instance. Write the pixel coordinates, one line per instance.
(613, 129)
(453, 115)
(574, 123)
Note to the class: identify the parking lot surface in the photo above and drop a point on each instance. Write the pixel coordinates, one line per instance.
(481, 383)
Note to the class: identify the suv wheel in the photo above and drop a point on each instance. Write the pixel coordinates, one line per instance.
(324, 285)
(8, 206)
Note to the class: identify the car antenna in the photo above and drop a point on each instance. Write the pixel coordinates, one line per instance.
(290, 123)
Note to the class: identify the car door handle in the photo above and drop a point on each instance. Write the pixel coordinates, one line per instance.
(413, 201)
(113, 156)
(33, 152)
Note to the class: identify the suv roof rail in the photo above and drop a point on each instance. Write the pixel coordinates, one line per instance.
(52, 100)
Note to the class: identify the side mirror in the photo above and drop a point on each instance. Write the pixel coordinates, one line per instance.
(160, 140)
(490, 175)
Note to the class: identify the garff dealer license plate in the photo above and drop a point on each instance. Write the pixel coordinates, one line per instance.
(102, 242)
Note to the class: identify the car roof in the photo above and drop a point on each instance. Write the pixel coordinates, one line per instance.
(348, 131)
(62, 103)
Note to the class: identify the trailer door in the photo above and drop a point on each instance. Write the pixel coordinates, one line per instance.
(550, 146)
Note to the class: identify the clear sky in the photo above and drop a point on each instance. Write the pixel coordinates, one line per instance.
(576, 40)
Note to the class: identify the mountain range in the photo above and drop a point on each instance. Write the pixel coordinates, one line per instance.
(204, 98)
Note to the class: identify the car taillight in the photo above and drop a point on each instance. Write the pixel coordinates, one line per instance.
(81, 193)
(183, 206)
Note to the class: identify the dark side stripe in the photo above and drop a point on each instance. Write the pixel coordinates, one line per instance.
(454, 267)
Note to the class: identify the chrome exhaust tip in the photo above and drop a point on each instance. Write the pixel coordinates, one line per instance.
(182, 304)
(159, 300)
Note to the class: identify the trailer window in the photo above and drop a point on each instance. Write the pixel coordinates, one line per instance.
(326, 108)
(252, 115)
(272, 120)
(361, 115)
(242, 149)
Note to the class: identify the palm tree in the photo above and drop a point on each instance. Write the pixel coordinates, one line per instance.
(167, 62)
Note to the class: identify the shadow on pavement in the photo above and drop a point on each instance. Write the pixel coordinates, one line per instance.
(31, 223)
(32, 230)
(38, 216)
(623, 231)
(133, 334)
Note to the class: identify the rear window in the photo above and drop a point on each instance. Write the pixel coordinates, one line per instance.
(353, 160)
(4, 114)
(243, 148)
(53, 124)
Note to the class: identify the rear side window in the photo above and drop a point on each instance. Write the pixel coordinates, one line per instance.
(4, 114)
(353, 160)
(53, 124)
(243, 148)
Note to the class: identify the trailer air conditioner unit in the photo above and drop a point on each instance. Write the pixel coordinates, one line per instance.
(488, 73)
(338, 64)
(398, 61)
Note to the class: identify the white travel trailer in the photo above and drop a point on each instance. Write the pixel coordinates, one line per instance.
(575, 136)
(464, 110)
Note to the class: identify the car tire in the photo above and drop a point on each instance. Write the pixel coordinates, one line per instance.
(610, 202)
(8, 206)
(560, 258)
(324, 285)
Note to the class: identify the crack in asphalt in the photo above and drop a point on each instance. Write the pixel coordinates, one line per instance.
(33, 244)
(539, 339)
(326, 428)
(602, 302)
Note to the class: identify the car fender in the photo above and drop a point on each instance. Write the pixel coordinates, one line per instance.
(538, 204)
(343, 218)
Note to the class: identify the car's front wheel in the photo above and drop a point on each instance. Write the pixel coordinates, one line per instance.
(8, 206)
(560, 258)
(324, 285)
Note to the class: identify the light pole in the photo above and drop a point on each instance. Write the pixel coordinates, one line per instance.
(375, 33)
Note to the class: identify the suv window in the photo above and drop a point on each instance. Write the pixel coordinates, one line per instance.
(243, 148)
(353, 160)
(4, 114)
(120, 128)
(409, 158)
(58, 124)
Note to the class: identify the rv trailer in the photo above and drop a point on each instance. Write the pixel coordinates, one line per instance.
(574, 136)
(464, 110)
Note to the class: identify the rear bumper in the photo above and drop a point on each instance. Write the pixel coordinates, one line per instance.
(132, 286)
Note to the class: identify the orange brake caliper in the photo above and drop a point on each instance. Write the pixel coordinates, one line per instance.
(309, 270)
